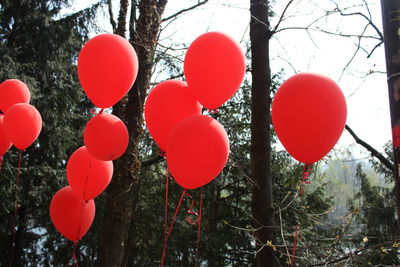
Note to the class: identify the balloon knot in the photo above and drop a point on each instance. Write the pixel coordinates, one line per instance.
(162, 154)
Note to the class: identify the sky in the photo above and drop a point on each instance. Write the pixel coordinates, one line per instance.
(363, 81)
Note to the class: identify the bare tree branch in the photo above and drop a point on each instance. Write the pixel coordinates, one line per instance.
(352, 254)
(111, 14)
(282, 17)
(184, 10)
(151, 161)
(372, 150)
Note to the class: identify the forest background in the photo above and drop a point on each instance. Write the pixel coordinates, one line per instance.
(347, 216)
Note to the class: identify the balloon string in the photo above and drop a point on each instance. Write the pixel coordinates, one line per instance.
(73, 258)
(199, 229)
(294, 244)
(1, 162)
(170, 227)
(15, 214)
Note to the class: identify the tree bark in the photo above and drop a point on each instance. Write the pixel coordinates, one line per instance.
(124, 189)
(260, 154)
(391, 33)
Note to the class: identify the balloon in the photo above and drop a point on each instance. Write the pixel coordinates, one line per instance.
(214, 68)
(107, 69)
(197, 151)
(86, 175)
(5, 143)
(168, 103)
(309, 114)
(22, 125)
(13, 92)
(71, 215)
(106, 137)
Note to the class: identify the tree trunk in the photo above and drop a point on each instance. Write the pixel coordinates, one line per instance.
(260, 154)
(123, 191)
(391, 32)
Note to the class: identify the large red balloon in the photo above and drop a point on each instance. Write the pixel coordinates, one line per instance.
(5, 143)
(214, 68)
(197, 151)
(71, 215)
(12, 92)
(87, 175)
(22, 124)
(106, 137)
(309, 114)
(168, 103)
(107, 69)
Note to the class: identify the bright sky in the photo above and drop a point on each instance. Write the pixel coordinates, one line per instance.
(299, 50)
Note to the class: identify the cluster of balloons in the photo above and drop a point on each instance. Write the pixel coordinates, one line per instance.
(309, 114)
(107, 69)
(196, 146)
(20, 123)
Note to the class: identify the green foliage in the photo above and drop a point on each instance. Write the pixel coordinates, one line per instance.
(40, 47)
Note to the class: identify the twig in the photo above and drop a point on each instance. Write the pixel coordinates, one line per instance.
(372, 150)
(184, 10)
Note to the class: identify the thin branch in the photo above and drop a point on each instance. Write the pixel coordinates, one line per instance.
(184, 10)
(353, 253)
(372, 150)
(282, 15)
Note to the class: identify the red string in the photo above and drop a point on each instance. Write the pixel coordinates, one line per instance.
(170, 227)
(294, 244)
(14, 228)
(73, 258)
(305, 179)
(199, 229)
(1, 162)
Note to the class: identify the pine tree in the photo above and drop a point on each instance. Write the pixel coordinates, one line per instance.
(39, 46)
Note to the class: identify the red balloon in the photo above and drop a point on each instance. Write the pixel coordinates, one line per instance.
(309, 114)
(86, 175)
(12, 92)
(71, 215)
(22, 124)
(197, 151)
(107, 69)
(168, 103)
(214, 68)
(106, 137)
(5, 143)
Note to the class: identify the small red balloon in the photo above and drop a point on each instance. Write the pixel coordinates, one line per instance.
(22, 125)
(71, 215)
(309, 114)
(12, 92)
(197, 151)
(214, 68)
(167, 104)
(107, 69)
(5, 143)
(86, 175)
(106, 137)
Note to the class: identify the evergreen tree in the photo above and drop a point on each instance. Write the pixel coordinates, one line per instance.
(39, 46)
